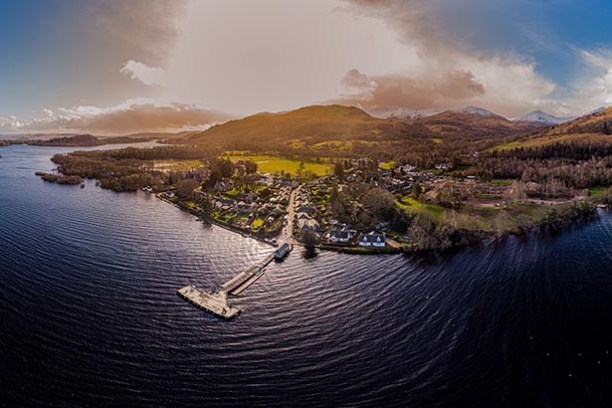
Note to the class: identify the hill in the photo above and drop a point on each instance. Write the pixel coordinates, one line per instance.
(593, 127)
(318, 125)
(309, 125)
(542, 117)
(474, 123)
(598, 122)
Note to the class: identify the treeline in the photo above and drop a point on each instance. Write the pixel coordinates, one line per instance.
(178, 152)
(118, 175)
(576, 165)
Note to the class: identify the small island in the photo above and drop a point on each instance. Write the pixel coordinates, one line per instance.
(59, 178)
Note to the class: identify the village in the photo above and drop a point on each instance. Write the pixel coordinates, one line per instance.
(361, 206)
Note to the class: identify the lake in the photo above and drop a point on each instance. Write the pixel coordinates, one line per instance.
(90, 315)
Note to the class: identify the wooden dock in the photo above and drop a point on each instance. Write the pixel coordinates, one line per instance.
(213, 302)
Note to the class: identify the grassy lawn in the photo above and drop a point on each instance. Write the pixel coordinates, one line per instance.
(598, 191)
(257, 224)
(506, 146)
(274, 164)
(178, 165)
(413, 206)
(390, 165)
(502, 182)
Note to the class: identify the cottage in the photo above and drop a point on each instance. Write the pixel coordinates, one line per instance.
(372, 239)
(341, 236)
(309, 209)
(223, 186)
(382, 226)
(308, 224)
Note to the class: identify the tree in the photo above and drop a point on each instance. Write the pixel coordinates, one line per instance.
(417, 190)
(336, 202)
(185, 188)
(310, 240)
(339, 170)
(250, 166)
(378, 199)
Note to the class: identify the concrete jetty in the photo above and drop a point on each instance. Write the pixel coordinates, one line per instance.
(217, 302)
(245, 279)
(213, 302)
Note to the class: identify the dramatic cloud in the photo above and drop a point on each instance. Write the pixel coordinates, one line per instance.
(450, 72)
(144, 73)
(146, 30)
(435, 91)
(130, 117)
(245, 56)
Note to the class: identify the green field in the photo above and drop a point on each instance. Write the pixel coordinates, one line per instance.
(274, 165)
(413, 206)
(502, 182)
(257, 224)
(177, 165)
(390, 165)
(598, 191)
(474, 218)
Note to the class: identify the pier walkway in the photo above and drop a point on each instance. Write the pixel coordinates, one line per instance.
(245, 279)
(217, 302)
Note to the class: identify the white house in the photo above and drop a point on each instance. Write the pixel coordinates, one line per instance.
(372, 239)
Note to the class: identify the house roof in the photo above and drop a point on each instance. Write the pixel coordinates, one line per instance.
(372, 237)
(341, 234)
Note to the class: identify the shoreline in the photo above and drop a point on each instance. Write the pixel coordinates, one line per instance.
(473, 238)
(227, 227)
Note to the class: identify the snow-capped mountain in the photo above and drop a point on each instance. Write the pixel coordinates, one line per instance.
(542, 117)
(474, 110)
(388, 112)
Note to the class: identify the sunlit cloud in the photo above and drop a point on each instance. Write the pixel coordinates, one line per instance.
(144, 73)
(129, 117)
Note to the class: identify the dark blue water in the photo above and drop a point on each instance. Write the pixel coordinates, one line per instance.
(89, 314)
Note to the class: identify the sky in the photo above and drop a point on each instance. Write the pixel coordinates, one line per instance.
(119, 67)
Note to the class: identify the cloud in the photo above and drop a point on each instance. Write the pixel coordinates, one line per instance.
(455, 67)
(506, 86)
(433, 91)
(147, 29)
(144, 73)
(9, 123)
(130, 117)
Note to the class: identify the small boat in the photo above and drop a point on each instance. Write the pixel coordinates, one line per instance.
(283, 251)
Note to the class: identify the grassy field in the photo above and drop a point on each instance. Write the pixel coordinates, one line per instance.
(274, 164)
(475, 218)
(598, 191)
(257, 224)
(413, 206)
(502, 182)
(178, 165)
(390, 165)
